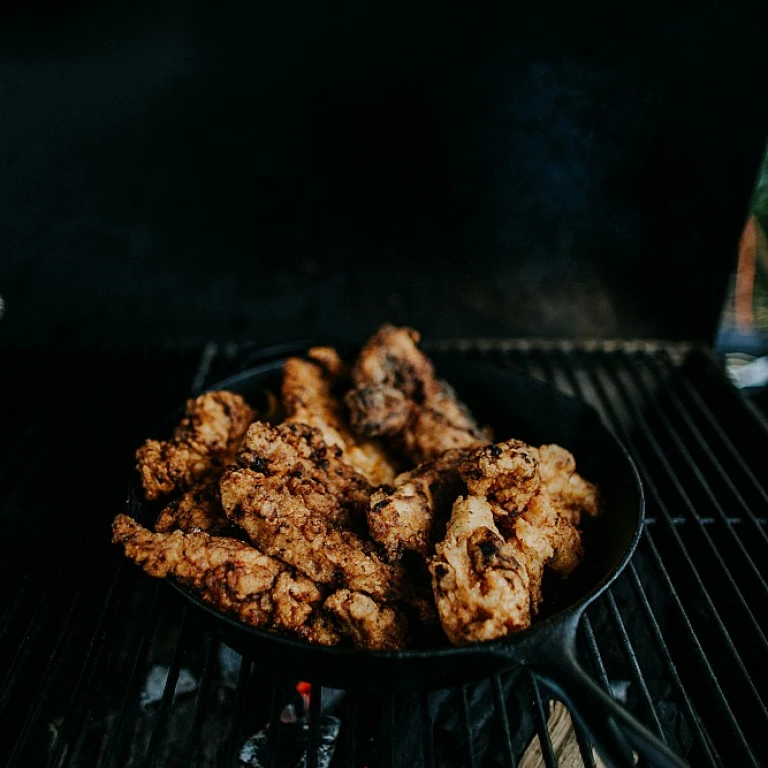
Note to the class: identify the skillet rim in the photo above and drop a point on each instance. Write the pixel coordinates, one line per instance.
(569, 613)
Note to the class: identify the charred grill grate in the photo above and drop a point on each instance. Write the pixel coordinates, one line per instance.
(101, 666)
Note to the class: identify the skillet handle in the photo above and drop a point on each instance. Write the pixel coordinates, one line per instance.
(608, 725)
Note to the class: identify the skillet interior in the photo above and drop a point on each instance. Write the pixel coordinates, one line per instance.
(514, 406)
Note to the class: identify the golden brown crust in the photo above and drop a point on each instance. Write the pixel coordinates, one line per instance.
(198, 509)
(204, 442)
(402, 518)
(370, 625)
(573, 496)
(481, 588)
(295, 499)
(398, 395)
(507, 474)
(227, 573)
(290, 466)
(308, 396)
(232, 576)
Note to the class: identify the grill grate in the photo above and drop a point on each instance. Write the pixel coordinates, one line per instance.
(101, 666)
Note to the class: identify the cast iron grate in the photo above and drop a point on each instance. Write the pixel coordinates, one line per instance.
(101, 666)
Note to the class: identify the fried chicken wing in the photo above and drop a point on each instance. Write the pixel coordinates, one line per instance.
(198, 509)
(573, 496)
(371, 625)
(204, 441)
(402, 518)
(308, 396)
(481, 588)
(398, 395)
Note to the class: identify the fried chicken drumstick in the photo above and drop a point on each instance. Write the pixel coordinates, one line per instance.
(204, 442)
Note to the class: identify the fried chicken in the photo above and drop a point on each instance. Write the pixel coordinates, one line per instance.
(402, 518)
(371, 625)
(573, 496)
(308, 396)
(204, 442)
(481, 588)
(230, 575)
(507, 474)
(198, 509)
(290, 466)
(505, 482)
(397, 395)
(295, 499)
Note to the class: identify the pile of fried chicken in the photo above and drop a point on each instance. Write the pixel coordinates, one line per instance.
(377, 511)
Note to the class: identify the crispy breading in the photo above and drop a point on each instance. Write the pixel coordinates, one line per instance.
(294, 498)
(371, 625)
(397, 395)
(232, 576)
(573, 496)
(227, 573)
(290, 466)
(308, 396)
(204, 442)
(402, 518)
(198, 509)
(481, 588)
(507, 474)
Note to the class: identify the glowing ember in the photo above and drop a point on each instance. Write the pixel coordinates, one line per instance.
(305, 691)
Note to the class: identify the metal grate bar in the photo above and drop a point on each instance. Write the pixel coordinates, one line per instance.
(233, 745)
(683, 411)
(390, 730)
(682, 378)
(597, 658)
(585, 748)
(154, 752)
(501, 712)
(273, 730)
(680, 445)
(211, 646)
(87, 675)
(604, 404)
(315, 702)
(466, 730)
(713, 548)
(706, 745)
(350, 730)
(31, 634)
(130, 685)
(631, 657)
(53, 664)
(540, 718)
(655, 494)
(428, 740)
(720, 699)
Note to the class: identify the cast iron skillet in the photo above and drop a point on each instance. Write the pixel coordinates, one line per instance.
(515, 407)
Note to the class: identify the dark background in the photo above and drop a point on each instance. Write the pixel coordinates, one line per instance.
(177, 171)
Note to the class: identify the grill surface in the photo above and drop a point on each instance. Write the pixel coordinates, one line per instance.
(102, 666)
